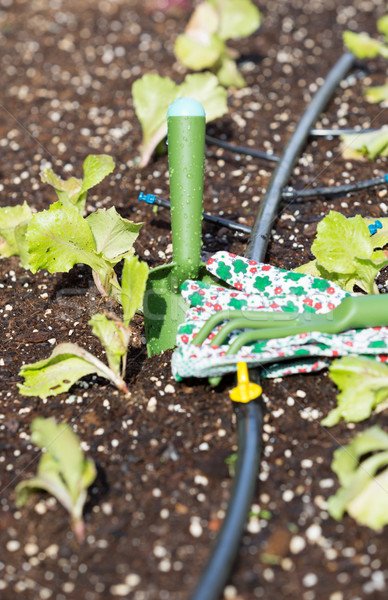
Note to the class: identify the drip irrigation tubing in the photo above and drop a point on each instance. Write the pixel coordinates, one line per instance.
(288, 193)
(321, 132)
(250, 415)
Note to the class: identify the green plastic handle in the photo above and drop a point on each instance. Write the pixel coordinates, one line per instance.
(186, 152)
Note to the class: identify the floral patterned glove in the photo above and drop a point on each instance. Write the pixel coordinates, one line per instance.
(262, 287)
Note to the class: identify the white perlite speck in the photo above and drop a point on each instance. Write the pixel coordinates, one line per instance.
(313, 533)
(297, 544)
(151, 406)
(120, 589)
(288, 495)
(31, 548)
(195, 527)
(310, 580)
(132, 580)
(13, 545)
(230, 592)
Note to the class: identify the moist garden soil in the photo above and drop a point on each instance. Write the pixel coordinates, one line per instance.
(163, 483)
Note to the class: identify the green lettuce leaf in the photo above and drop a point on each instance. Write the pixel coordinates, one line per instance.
(114, 336)
(363, 46)
(364, 487)
(62, 470)
(73, 191)
(371, 145)
(346, 252)
(152, 95)
(237, 18)
(133, 285)
(57, 373)
(229, 75)
(113, 235)
(21, 240)
(202, 46)
(196, 55)
(339, 240)
(11, 217)
(346, 281)
(96, 167)
(363, 384)
(382, 26)
(59, 238)
(344, 246)
(377, 94)
(379, 239)
(68, 191)
(310, 268)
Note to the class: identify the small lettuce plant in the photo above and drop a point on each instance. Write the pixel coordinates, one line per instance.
(13, 226)
(69, 362)
(203, 45)
(152, 95)
(63, 471)
(362, 470)
(346, 253)
(363, 385)
(358, 146)
(60, 237)
(363, 46)
(73, 191)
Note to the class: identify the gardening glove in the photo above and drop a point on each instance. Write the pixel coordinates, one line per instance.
(262, 287)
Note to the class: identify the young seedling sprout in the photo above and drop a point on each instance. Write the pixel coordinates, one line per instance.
(62, 470)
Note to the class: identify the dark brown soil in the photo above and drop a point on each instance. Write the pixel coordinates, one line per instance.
(163, 484)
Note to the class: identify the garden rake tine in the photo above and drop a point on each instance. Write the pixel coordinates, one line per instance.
(253, 318)
(235, 324)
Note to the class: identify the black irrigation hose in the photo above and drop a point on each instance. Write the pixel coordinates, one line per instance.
(268, 209)
(274, 157)
(242, 149)
(152, 199)
(288, 193)
(292, 194)
(250, 415)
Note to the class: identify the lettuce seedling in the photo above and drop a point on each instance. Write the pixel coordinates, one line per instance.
(69, 362)
(360, 145)
(59, 238)
(360, 467)
(73, 191)
(346, 253)
(152, 95)
(62, 470)
(13, 225)
(363, 46)
(14, 220)
(363, 384)
(203, 45)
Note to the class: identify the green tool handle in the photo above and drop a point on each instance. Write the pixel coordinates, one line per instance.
(186, 152)
(354, 312)
(358, 312)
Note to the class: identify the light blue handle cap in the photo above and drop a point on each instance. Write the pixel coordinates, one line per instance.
(186, 107)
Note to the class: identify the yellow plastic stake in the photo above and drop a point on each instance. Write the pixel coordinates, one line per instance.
(245, 390)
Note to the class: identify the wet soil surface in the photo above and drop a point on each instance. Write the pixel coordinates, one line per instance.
(163, 483)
